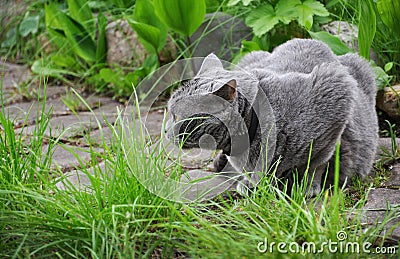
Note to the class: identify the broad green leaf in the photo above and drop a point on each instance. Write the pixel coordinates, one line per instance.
(147, 33)
(51, 15)
(366, 27)
(305, 16)
(182, 16)
(151, 30)
(336, 45)
(317, 7)
(63, 60)
(29, 24)
(80, 11)
(101, 49)
(80, 40)
(389, 11)
(262, 19)
(307, 10)
(54, 26)
(286, 11)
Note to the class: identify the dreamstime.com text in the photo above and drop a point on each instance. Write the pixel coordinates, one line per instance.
(339, 246)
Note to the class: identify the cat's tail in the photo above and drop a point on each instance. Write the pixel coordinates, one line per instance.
(362, 72)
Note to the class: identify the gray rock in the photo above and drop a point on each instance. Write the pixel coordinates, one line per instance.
(348, 33)
(221, 34)
(203, 185)
(388, 101)
(380, 204)
(394, 179)
(123, 45)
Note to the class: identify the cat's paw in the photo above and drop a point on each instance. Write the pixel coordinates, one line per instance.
(313, 190)
(220, 161)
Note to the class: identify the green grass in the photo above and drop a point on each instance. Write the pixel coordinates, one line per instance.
(118, 218)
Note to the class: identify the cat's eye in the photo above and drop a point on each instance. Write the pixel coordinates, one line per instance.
(176, 118)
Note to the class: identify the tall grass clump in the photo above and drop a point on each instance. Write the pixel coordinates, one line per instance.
(117, 217)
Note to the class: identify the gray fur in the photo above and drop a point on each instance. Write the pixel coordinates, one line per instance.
(316, 97)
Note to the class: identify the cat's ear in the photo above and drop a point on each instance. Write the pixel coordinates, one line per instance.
(210, 63)
(227, 91)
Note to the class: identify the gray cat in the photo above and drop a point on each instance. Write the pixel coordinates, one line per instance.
(315, 99)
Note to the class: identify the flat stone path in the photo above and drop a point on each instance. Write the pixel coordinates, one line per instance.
(73, 152)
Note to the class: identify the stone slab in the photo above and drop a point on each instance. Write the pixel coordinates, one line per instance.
(27, 111)
(80, 179)
(194, 158)
(376, 208)
(198, 185)
(385, 143)
(20, 113)
(394, 179)
(153, 122)
(12, 74)
(68, 157)
(71, 126)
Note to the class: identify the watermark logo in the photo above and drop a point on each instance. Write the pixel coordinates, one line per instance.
(341, 245)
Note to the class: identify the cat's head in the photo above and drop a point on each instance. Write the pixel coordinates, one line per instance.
(201, 109)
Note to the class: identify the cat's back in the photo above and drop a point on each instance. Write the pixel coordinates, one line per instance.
(297, 55)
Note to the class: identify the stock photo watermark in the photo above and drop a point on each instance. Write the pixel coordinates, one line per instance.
(339, 246)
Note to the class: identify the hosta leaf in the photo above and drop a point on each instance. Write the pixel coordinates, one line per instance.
(62, 26)
(51, 15)
(182, 16)
(80, 11)
(262, 19)
(148, 26)
(80, 40)
(101, 49)
(147, 33)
